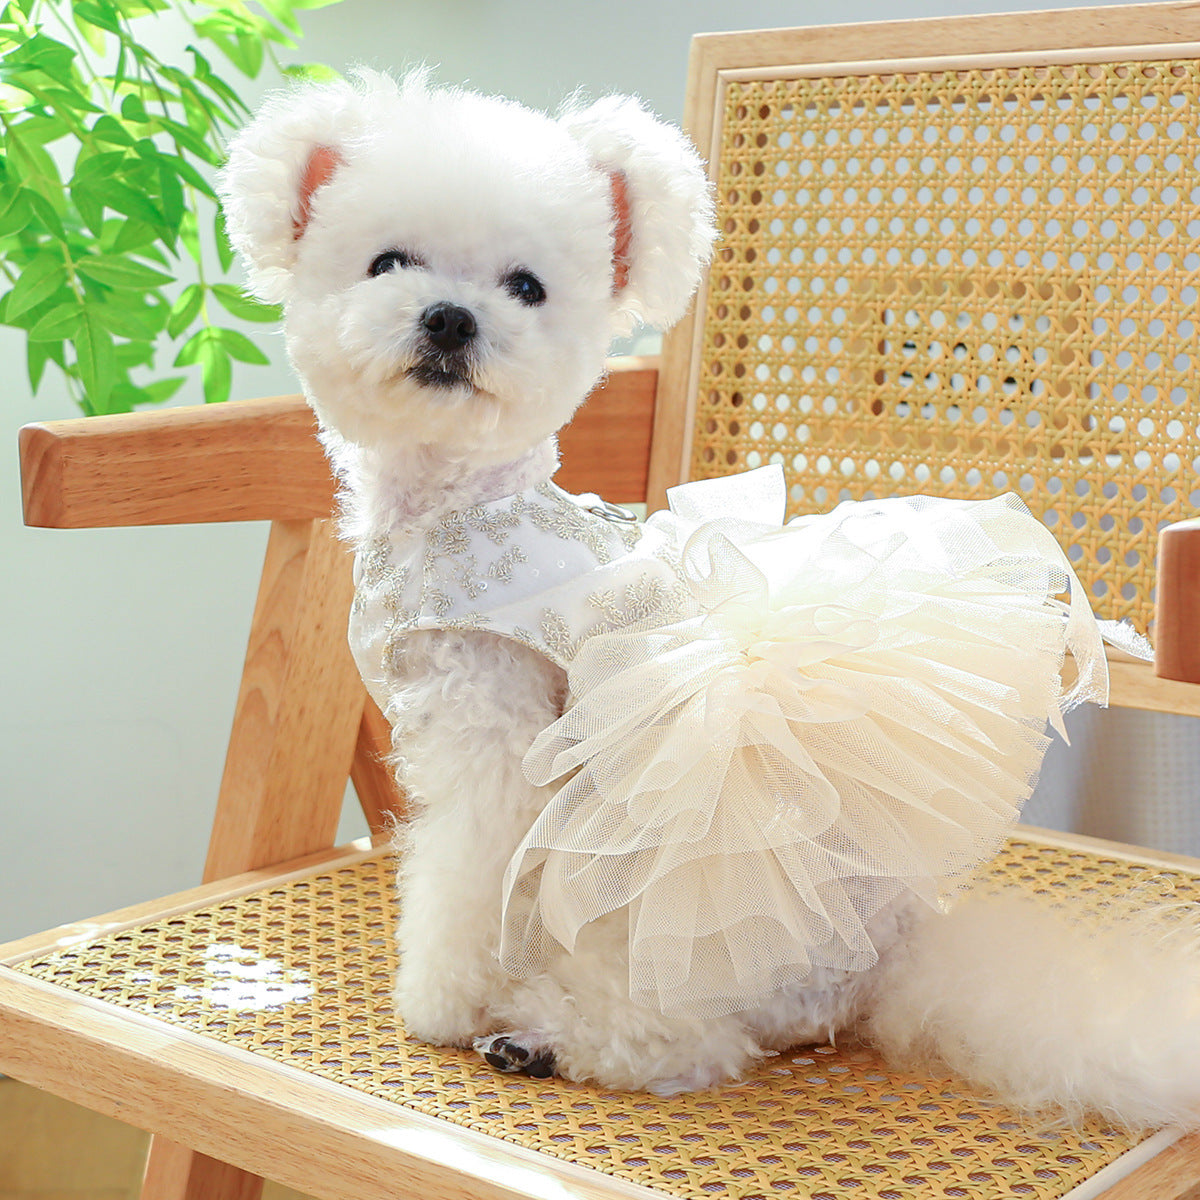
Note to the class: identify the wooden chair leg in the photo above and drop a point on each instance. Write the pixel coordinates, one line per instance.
(374, 781)
(298, 711)
(174, 1172)
(295, 731)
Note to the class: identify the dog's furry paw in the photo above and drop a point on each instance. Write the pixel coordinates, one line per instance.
(517, 1052)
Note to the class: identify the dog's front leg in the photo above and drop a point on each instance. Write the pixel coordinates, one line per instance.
(469, 708)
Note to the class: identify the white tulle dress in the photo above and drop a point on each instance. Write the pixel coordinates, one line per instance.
(774, 731)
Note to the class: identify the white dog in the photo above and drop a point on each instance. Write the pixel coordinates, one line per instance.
(453, 268)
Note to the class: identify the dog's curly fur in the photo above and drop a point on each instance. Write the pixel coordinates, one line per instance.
(361, 207)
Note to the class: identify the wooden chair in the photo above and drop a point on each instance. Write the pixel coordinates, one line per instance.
(856, 327)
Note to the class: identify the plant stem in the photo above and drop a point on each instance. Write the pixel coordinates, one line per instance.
(83, 60)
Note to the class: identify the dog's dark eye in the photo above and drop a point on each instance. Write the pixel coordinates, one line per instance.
(526, 287)
(393, 260)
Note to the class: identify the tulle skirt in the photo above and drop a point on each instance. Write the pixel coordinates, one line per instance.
(855, 710)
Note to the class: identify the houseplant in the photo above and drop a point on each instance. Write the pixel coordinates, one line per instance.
(109, 226)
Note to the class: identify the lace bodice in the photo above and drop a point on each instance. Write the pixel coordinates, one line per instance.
(543, 567)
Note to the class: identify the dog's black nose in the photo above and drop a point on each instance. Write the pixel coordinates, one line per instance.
(449, 327)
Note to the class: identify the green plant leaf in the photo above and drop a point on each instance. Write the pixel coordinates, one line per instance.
(235, 302)
(224, 249)
(185, 309)
(37, 282)
(43, 127)
(104, 164)
(281, 10)
(101, 165)
(161, 390)
(15, 210)
(131, 203)
(215, 84)
(45, 213)
(95, 359)
(121, 272)
(108, 129)
(216, 368)
(37, 355)
(57, 324)
(140, 8)
(89, 32)
(48, 55)
(251, 51)
(185, 171)
(312, 72)
(239, 346)
(138, 322)
(125, 397)
(187, 138)
(171, 192)
(189, 354)
(133, 354)
(216, 373)
(133, 110)
(133, 235)
(189, 235)
(101, 15)
(36, 168)
(62, 98)
(89, 206)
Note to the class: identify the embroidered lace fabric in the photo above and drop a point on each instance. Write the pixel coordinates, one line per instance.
(540, 567)
(775, 731)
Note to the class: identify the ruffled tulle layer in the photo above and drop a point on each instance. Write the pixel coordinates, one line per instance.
(855, 710)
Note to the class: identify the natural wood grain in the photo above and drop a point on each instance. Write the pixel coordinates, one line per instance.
(1135, 685)
(266, 1119)
(298, 710)
(173, 1172)
(203, 895)
(374, 781)
(606, 448)
(247, 460)
(293, 742)
(672, 427)
(1177, 608)
(259, 460)
(1174, 1174)
(1026, 33)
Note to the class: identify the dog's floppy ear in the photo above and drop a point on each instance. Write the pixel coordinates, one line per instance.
(662, 206)
(276, 166)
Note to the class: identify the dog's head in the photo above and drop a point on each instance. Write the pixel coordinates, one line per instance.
(452, 266)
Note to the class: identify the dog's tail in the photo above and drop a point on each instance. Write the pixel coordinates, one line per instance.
(1050, 1014)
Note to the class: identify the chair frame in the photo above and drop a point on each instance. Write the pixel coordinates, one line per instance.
(303, 722)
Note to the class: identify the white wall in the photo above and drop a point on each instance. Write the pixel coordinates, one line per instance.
(122, 649)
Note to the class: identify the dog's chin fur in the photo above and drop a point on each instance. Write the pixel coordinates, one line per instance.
(473, 189)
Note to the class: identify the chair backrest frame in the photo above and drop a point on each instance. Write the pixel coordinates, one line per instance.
(728, 369)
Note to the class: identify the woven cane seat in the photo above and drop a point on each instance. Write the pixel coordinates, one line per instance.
(301, 974)
(961, 281)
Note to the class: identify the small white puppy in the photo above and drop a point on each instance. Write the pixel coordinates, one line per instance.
(453, 268)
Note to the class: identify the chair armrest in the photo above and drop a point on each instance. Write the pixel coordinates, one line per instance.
(246, 460)
(1177, 605)
(255, 460)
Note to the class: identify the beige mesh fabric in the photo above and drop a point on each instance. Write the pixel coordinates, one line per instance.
(889, 669)
(961, 282)
(302, 975)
